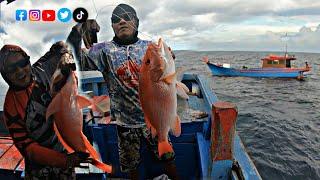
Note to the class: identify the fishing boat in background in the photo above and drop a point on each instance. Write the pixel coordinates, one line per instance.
(273, 66)
(208, 147)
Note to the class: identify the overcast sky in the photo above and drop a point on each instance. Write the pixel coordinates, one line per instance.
(227, 25)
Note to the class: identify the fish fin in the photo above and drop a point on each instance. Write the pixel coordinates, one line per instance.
(156, 75)
(90, 148)
(83, 101)
(176, 127)
(150, 127)
(164, 147)
(153, 132)
(181, 91)
(101, 103)
(184, 87)
(94, 154)
(104, 167)
(64, 144)
(53, 106)
(169, 79)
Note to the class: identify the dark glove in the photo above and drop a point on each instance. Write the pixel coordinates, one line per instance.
(67, 64)
(89, 31)
(86, 31)
(74, 159)
(59, 47)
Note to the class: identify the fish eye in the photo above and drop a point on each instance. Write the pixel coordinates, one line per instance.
(148, 62)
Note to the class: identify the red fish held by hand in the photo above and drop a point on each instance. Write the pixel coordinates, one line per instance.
(66, 109)
(158, 89)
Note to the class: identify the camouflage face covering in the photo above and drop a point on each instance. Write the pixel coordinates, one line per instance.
(125, 12)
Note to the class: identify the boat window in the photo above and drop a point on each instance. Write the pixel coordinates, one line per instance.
(276, 62)
(288, 64)
(269, 62)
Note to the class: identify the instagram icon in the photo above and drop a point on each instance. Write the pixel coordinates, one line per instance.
(34, 15)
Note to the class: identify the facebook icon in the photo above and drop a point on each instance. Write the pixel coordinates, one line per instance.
(21, 15)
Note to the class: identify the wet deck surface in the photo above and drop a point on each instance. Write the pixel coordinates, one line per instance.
(10, 157)
(12, 160)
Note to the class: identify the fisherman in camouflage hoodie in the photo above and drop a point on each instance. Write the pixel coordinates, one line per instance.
(119, 61)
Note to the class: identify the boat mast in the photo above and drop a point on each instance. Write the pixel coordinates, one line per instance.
(286, 47)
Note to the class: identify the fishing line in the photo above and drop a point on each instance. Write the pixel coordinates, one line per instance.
(127, 13)
(94, 6)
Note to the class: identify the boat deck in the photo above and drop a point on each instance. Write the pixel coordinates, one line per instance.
(12, 161)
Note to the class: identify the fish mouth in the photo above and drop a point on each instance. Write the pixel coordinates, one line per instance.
(166, 56)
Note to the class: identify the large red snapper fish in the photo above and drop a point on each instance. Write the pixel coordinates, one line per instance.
(158, 89)
(68, 120)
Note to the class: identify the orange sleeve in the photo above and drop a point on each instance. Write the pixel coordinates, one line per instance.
(29, 148)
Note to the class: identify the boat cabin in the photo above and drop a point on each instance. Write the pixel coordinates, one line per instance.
(274, 61)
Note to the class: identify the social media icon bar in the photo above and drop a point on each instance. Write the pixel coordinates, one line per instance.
(21, 15)
(80, 15)
(64, 15)
(34, 15)
(48, 15)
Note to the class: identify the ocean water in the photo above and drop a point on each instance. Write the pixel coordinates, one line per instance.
(278, 120)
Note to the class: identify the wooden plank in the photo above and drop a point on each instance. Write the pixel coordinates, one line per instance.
(10, 159)
(83, 170)
(248, 168)
(6, 140)
(91, 77)
(204, 155)
(21, 165)
(4, 148)
(208, 94)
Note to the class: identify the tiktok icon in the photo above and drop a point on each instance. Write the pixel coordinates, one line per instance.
(80, 15)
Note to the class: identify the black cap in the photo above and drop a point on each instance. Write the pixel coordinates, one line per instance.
(123, 9)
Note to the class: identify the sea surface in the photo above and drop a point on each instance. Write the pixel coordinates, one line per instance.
(278, 120)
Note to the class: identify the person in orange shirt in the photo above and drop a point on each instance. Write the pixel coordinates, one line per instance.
(24, 112)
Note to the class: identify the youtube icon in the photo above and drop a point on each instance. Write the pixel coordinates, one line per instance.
(48, 15)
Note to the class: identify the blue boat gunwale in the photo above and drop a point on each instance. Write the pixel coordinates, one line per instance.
(243, 157)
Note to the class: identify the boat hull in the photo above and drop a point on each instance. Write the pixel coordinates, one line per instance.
(258, 72)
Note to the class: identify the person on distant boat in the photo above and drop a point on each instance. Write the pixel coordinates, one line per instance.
(307, 65)
(25, 113)
(119, 61)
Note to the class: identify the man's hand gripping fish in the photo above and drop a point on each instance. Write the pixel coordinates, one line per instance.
(68, 120)
(158, 89)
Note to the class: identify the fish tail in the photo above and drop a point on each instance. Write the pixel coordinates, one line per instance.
(164, 147)
(104, 167)
(90, 148)
(64, 144)
(95, 155)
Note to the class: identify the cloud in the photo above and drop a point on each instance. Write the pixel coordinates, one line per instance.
(188, 24)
